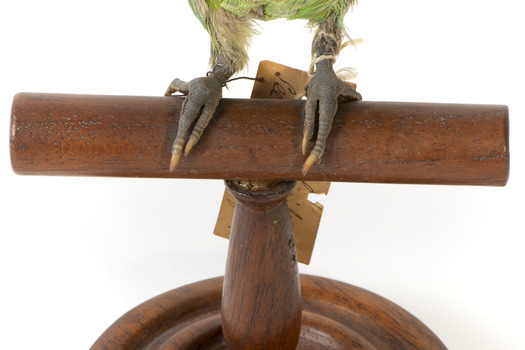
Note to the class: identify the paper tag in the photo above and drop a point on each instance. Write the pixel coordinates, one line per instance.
(282, 82)
(279, 82)
(305, 216)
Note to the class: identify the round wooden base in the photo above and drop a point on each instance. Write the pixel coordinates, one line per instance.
(335, 316)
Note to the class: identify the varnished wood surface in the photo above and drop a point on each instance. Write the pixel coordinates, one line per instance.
(336, 316)
(86, 135)
(261, 301)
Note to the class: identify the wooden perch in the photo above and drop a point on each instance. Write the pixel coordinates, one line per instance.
(389, 142)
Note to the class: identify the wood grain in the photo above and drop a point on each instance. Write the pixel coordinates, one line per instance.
(389, 142)
(261, 300)
(336, 316)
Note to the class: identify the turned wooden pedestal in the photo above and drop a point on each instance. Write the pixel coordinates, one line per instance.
(262, 302)
(335, 315)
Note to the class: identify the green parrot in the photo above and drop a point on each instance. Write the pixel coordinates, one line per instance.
(230, 24)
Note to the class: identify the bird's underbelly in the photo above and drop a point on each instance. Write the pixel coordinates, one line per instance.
(314, 10)
(263, 9)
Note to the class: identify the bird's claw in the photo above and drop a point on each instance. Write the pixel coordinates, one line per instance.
(322, 92)
(203, 97)
(205, 93)
(177, 85)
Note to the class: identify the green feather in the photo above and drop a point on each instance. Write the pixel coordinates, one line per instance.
(316, 11)
(234, 19)
(311, 10)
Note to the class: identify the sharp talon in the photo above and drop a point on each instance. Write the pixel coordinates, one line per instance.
(191, 142)
(174, 160)
(307, 136)
(169, 91)
(312, 158)
(305, 144)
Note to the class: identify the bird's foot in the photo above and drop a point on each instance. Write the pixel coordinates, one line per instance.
(322, 93)
(203, 97)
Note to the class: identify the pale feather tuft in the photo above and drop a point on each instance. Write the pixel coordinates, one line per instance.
(347, 73)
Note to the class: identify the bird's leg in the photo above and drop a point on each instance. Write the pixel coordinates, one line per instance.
(229, 37)
(322, 93)
(203, 97)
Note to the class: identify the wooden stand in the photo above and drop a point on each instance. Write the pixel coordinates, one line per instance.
(260, 306)
(262, 303)
(335, 316)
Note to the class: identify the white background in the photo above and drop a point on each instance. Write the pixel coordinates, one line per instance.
(77, 253)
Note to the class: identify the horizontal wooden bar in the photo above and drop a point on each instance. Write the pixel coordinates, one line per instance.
(388, 142)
